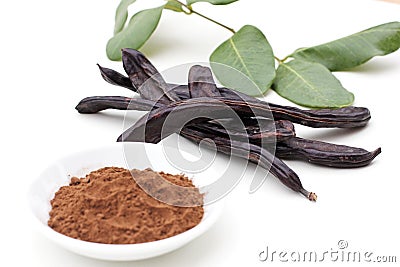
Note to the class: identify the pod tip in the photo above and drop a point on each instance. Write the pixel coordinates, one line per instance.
(377, 151)
(312, 197)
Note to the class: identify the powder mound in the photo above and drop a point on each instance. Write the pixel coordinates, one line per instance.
(108, 206)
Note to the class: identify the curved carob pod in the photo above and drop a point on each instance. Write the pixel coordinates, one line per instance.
(323, 153)
(94, 104)
(346, 117)
(252, 131)
(209, 106)
(146, 78)
(291, 147)
(206, 106)
(309, 118)
(151, 126)
(253, 153)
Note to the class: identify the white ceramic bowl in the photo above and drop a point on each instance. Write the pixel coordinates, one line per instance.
(58, 174)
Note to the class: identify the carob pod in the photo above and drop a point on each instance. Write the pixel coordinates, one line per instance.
(346, 117)
(94, 104)
(253, 153)
(252, 132)
(268, 132)
(257, 125)
(116, 78)
(323, 153)
(151, 126)
(201, 83)
(205, 107)
(309, 118)
(216, 104)
(145, 77)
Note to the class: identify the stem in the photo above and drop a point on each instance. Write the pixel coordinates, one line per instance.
(204, 17)
(216, 22)
(285, 58)
(280, 61)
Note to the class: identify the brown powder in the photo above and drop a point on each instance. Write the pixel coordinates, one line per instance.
(108, 206)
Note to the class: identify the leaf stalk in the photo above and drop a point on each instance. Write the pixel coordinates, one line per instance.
(191, 11)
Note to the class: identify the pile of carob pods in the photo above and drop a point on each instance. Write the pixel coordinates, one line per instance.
(201, 111)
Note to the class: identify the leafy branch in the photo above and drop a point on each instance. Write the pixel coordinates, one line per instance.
(303, 77)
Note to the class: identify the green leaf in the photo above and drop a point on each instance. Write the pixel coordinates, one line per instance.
(121, 15)
(214, 2)
(248, 52)
(354, 50)
(310, 84)
(136, 33)
(174, 6)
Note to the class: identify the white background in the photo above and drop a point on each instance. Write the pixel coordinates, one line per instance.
(49, 51)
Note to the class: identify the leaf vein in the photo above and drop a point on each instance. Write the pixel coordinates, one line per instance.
(307, 83)
(241, 59)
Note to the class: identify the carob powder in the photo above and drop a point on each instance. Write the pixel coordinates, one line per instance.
(108, 206)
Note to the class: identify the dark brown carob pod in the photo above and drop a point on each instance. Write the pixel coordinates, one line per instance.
(221, 104)
(280, 130)
(323, 153)
(151, 126)
(116, 78)
(346, 117)
(94, 104)
(253, 153)
(201, 82)
(255, 134)
(146, 78)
